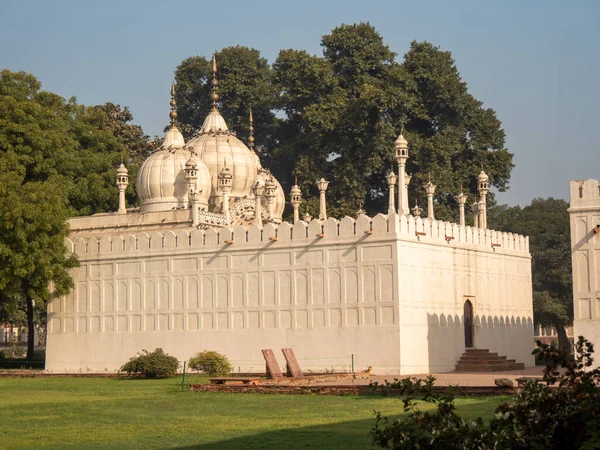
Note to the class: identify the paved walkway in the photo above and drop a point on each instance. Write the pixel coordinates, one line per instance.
(450, 378)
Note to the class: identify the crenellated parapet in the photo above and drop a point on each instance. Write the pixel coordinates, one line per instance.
(330, 231)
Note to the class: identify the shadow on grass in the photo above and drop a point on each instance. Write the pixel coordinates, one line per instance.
(346, 435)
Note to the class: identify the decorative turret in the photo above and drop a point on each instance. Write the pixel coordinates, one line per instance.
(416, 211)
(430, 189)
(475, 211)
(295, 199)
(122, 183)
(401, 148)
(307, 217)
(270, 188)
(461, 199)
(483, 186)
(258, 190)
(407, 179)
(391, 180)
(191, 177)
(225, 182)
(322, 185)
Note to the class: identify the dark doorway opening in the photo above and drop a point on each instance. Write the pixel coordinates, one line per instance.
(468, 324)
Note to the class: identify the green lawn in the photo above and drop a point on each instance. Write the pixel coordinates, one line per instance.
(82, 413)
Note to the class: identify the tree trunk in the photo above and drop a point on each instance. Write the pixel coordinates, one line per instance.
(563, 340)
(30, 328)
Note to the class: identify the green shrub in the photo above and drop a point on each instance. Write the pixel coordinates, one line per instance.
(157, 364)
(211, 363)
(14, 351)
(2, 354)
(565, 417)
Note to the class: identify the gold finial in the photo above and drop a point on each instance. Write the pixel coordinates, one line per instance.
(173, 113)
(429, 177)
(251, 133)
(296, 180)
(214, 95)
(402, 129)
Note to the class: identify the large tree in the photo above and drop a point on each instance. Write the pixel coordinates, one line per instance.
(57, 159)
(546, 222)
(339, 114)
(244, 82)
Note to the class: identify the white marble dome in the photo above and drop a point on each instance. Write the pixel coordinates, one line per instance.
(161, 183)
(216, 145)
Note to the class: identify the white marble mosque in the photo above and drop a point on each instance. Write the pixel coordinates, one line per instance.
(207, 263)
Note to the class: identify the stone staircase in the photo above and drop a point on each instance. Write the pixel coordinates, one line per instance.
(481, 360)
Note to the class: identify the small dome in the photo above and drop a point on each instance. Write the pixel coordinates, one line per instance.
(295, 190)
(482, 177)
(122, 170)
(161, 183)
(401, 142)
(193, 161)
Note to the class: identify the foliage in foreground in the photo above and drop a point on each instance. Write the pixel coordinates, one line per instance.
(157, 364)
(211, 363)
(566, 416)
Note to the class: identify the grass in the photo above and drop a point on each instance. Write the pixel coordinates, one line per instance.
(94, 413)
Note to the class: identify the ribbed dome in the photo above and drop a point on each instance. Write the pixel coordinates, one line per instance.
(216, 145)
(161, 183)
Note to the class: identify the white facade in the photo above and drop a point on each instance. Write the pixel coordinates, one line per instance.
(388, 290)
(585, 250)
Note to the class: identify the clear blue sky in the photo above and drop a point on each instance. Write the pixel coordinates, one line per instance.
(537, 63)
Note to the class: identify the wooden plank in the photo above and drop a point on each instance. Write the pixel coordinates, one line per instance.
(292, 363)
(273, 370)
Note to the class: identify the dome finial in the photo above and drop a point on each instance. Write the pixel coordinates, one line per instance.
(214, 95)
(251, 133)
(173, 113)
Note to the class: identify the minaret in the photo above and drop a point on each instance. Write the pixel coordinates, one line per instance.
(122, 183)
(430, 189)
(296, 198)
(475, 210)
(191, 177)
(407, 179)
(416, 211)
(322, 185)
(391, 180)
(258, 190)
(225, 182)
(461, 199)
(483, 186)
(401, 146)
(270, 188)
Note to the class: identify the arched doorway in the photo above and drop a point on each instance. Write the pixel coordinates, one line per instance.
(468, 314)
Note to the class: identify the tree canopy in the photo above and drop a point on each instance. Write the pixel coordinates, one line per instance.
(546, 222)
(337, 116)
(57, 159)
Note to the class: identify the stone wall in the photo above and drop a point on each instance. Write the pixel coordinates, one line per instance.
(585, 246)
(388, 290)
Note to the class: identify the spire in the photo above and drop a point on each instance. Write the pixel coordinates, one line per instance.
(173, 113)
(251, 133)
(214, 95)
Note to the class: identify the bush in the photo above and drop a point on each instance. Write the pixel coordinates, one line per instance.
(566, 417)
(157, 364)
(2, 354)
(211, 363)
(14, 351)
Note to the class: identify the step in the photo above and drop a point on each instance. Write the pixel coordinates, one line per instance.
(488, 363)
(489, 368)
(477, 350)
(480, 357)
